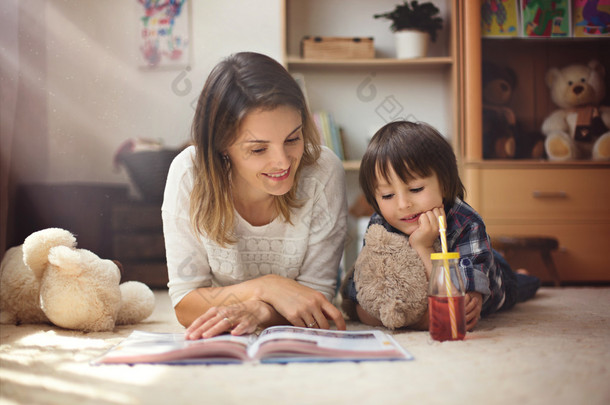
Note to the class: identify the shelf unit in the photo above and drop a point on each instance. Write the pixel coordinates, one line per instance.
(296, 61)
(565, 200)
(357, 91)
(327, 17)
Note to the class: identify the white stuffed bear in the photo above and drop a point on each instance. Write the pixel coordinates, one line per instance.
(47, 279)
(580, 129)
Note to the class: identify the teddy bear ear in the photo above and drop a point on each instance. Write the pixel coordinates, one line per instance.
(595, 65)
(551, 76)
(36, 247)
(66, 259)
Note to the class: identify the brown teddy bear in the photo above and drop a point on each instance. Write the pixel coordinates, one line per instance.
(503, 136)
(390, 279)
(580, 128)
(499, 122)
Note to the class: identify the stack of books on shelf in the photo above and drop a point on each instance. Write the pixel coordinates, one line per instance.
(330, 133)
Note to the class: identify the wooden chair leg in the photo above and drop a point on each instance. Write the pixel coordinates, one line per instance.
(550, 265)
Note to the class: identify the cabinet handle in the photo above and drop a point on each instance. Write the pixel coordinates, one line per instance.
(549, 194)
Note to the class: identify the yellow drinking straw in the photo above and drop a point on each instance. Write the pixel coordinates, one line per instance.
(443, 231)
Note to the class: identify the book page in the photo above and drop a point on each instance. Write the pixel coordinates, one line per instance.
(173, 348)
(303, 344)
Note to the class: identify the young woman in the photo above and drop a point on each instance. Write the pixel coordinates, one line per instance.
(254, 214)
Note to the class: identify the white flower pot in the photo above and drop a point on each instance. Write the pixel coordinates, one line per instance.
(411, 44)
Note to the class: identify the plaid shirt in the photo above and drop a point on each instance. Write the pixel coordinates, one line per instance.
(466, 234)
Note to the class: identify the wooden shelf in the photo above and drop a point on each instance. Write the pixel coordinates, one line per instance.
(351, 165)
(297, 61)
(533, 164)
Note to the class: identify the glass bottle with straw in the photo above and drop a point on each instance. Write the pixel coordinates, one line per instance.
(446, 293)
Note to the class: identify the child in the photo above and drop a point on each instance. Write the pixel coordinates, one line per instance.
(410, 177)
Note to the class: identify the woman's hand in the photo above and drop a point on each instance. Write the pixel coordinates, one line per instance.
(300, 305)
(241, 318)
(473, 303)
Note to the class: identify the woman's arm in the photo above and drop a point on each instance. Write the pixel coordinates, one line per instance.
(261, 302)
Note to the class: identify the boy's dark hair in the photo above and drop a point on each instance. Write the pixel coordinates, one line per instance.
(410, 149)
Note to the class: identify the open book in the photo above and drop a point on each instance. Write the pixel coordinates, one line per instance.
(277, 344)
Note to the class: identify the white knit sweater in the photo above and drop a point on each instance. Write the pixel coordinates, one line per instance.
(308, 251)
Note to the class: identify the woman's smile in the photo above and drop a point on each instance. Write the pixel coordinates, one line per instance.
(278, 176)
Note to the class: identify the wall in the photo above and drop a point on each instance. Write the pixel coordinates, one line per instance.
(96, 96)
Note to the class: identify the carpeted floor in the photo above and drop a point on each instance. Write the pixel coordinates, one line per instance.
(554, 349)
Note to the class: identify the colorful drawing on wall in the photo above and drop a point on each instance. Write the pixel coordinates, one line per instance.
(499, 18)
(164, 33)
(546, 18)
(591, 18)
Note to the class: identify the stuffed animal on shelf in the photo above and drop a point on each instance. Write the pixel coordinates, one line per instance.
(499, 122)
(580, 128)
(47, 279)
(390, 279)
(503, 137)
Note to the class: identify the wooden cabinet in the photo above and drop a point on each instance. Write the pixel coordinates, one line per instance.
(138, 243)
(568, 201)
(85, 209)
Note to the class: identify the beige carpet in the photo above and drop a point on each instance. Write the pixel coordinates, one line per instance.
(554, 349)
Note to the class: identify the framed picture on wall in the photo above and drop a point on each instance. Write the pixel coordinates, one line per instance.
(591, 18)
(550, 18)
(500, 18)
(164, 33)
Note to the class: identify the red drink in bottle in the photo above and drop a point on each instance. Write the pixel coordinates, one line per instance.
(440, 320)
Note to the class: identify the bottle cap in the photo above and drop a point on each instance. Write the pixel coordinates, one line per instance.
(443, 256)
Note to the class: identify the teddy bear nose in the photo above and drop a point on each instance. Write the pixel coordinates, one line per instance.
(578, 89)
(504, 87)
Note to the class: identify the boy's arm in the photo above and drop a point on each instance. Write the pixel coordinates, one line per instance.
(472, 308)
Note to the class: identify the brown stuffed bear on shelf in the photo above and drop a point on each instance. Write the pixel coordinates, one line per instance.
(503, 135)
(499, 122)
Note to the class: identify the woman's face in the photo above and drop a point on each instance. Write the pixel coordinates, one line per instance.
(267, 152)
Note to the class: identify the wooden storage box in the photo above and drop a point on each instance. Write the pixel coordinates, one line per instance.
(337, 48)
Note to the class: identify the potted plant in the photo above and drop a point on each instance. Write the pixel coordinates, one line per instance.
(414, 25)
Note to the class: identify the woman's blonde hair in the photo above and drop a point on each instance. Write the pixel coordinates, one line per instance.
(242, 83)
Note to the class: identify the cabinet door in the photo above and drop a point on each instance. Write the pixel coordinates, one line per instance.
(564, 195)
(582, 254)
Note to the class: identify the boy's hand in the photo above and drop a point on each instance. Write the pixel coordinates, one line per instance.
(427, 232)
(473, 304)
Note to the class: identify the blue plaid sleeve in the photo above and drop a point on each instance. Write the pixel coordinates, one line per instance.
(475, 260)
(467, 235)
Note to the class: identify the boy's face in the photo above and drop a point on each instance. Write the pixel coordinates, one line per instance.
(402, 204)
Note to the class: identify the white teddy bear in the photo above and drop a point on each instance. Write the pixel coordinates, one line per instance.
(47, 279)
(580, 129)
